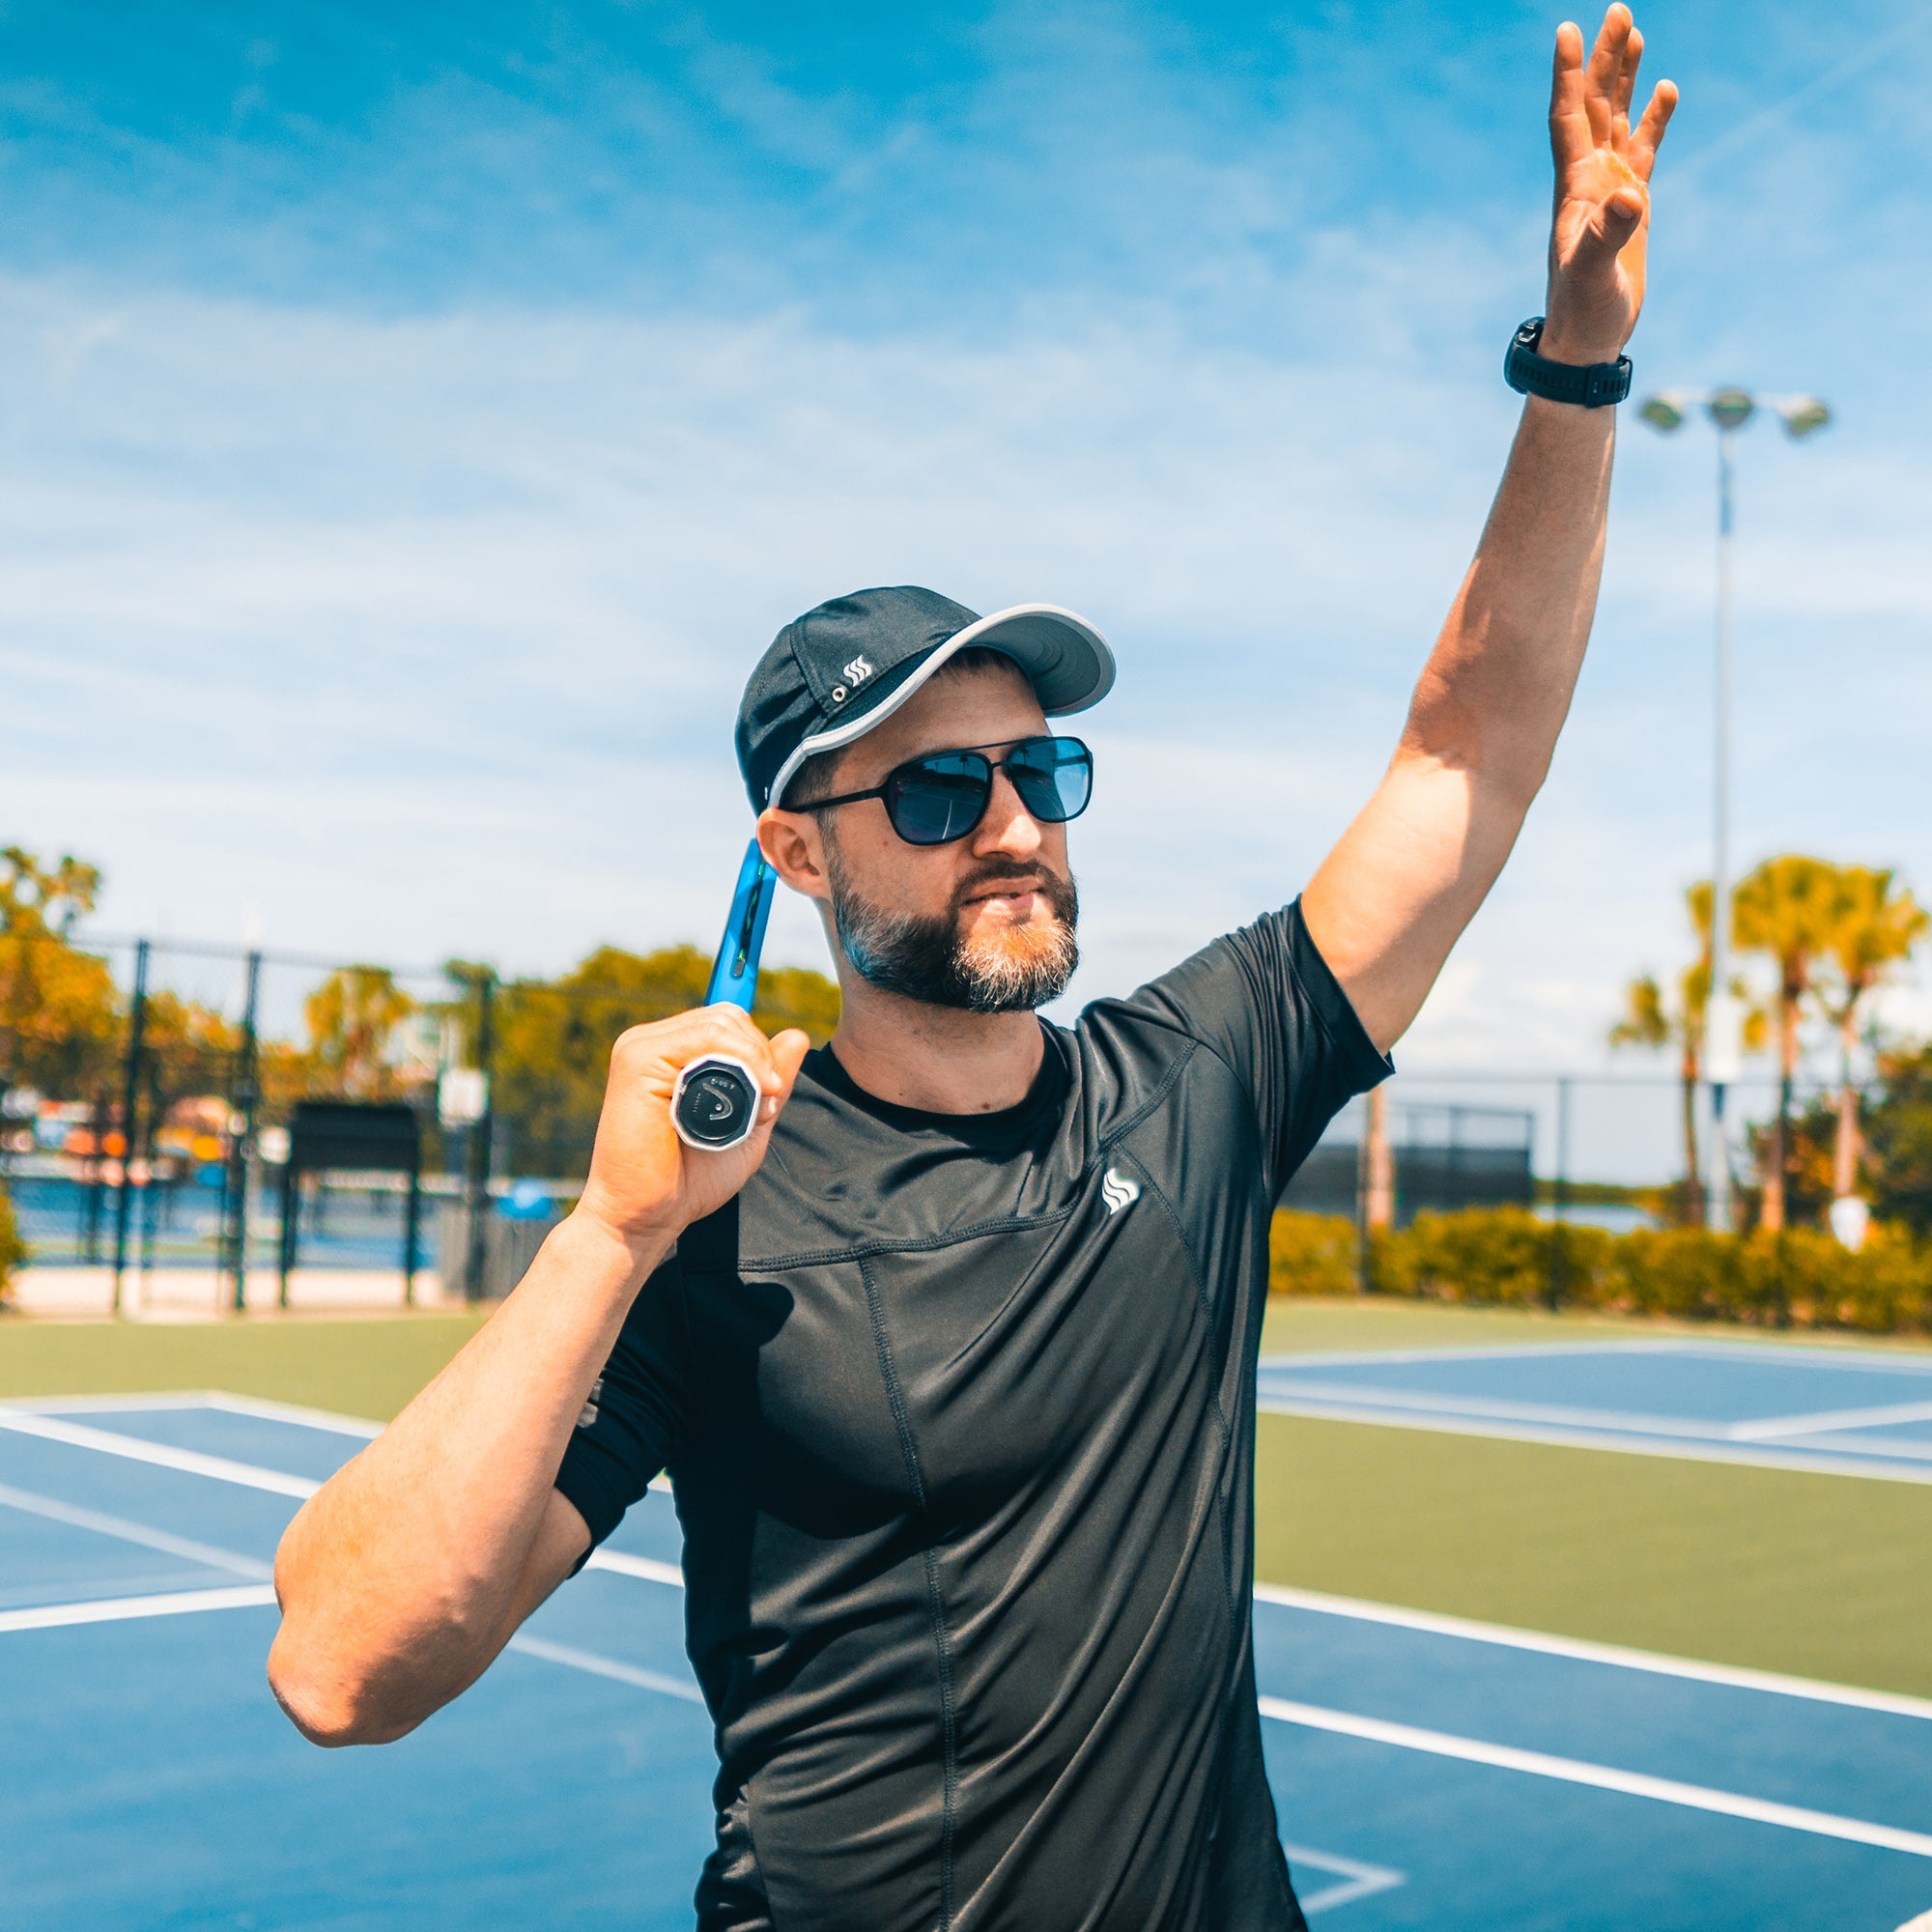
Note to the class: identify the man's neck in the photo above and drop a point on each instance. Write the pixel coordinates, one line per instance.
(937, 1059)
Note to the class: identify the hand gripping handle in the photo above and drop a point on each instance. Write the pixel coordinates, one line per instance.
(715, 1103)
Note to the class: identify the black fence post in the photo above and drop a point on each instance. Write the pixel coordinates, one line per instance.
(482, 1133)
(130, 1100)
(412, 1219)
(291, 1213)
(97, 1181)
(1560, 1252)
(243, 1098)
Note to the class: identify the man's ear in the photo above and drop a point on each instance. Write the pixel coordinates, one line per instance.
(794, 847)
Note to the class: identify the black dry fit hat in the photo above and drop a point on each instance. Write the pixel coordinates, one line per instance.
(834, 674)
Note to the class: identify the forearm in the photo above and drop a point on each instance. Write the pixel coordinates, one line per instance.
(1497, 688)
(404, 1576)
(1407, 877)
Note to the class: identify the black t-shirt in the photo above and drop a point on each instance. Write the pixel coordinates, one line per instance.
(958, 1412)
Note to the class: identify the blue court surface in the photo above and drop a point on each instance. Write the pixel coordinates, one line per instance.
(1852, 1411)
(1428, 1772)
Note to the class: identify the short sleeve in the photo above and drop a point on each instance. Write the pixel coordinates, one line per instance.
(630, 1425)
(1264, 1001)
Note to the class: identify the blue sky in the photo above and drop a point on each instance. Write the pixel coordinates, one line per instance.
(413, 421)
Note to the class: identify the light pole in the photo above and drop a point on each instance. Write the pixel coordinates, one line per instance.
(1728, 410)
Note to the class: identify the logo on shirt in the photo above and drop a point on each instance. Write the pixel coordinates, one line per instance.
(587, 1419)
(1118, 1190)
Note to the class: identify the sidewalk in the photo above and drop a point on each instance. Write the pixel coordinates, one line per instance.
(195, 1294)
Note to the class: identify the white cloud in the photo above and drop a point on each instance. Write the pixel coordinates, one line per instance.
(423, 636)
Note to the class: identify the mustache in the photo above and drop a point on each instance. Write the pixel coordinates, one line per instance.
(1054, 887)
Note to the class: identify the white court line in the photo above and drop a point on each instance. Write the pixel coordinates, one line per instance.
(1820, 1422)
(121, 1609)
(206, 1554)
(1358, 1880)
(652, 1570)
(1567, 1415)
(33, 1419)
(189, 1461)
(106, 1404)
(1500, 1352)
(1865, 1463)
(133, 1403)
(606, 1666)
(1913, 1360)
(1598, 1777)
(304, 1418)
(1863, 1448)
(646, 1568)
(1659, 1664)
(1373, 1729)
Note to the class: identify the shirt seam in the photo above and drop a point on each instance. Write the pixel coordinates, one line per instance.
(935, 1597)
(1220, 1410)
(1011, 1224)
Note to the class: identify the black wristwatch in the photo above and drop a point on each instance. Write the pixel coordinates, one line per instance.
(1591, 384)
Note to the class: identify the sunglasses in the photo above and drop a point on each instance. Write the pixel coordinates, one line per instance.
(933, 800)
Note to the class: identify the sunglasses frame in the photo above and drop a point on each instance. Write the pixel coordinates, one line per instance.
(882, 791)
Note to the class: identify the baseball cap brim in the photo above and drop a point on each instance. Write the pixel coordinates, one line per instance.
(1066, 661)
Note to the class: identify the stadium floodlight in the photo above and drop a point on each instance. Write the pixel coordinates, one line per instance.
(1799, 415)
(1728, 410)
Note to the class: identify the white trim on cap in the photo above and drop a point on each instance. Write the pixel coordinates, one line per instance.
(843, 734)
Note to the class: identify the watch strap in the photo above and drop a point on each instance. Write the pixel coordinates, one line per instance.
(1591, 386)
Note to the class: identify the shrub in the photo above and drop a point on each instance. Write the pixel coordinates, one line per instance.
(1490, 1254)
(1312, 1253)
(13, 1249)
(1802, 1278)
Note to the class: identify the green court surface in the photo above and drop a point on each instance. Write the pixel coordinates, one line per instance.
(1827, 1577)
(368, 1367)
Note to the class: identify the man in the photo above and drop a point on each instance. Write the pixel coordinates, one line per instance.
(951, 1363)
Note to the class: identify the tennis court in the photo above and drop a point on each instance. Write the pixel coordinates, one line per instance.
(1428, 1772)
(1852, 1411)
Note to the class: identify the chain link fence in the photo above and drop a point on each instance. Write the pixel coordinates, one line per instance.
(162, 1158)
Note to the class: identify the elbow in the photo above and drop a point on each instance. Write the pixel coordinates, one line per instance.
(330, 1704)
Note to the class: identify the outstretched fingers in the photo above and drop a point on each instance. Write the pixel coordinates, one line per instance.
(1626, 89)
(1648, 136)
(1569, 124)
(1604, 80)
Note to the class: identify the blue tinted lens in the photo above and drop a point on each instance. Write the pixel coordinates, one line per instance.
(939, 798)
(1054, 778)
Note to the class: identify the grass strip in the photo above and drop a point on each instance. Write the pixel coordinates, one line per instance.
(368, 1367)
(1772, 1569)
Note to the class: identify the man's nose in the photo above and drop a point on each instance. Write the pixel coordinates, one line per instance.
(1008, 826)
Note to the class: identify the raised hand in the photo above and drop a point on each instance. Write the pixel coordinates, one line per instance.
(1597, 239)
(646, 1185)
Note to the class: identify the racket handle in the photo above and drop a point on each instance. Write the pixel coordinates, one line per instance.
(714, 1105)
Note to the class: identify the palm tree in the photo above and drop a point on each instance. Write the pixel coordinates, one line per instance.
(1652, 1021)
(351, 1020)
(1872, 928)
(1784, 907)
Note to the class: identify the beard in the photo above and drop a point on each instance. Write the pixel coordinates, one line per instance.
(926, 956)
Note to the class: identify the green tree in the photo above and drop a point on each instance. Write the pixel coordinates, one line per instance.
(60, 1014)
(1873, 928)
(554, 1038)
(1783, 908)
(1654, 1021)
(1895, 1143)
(13, 1249)
(1898, 1138)
(351, 1019)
